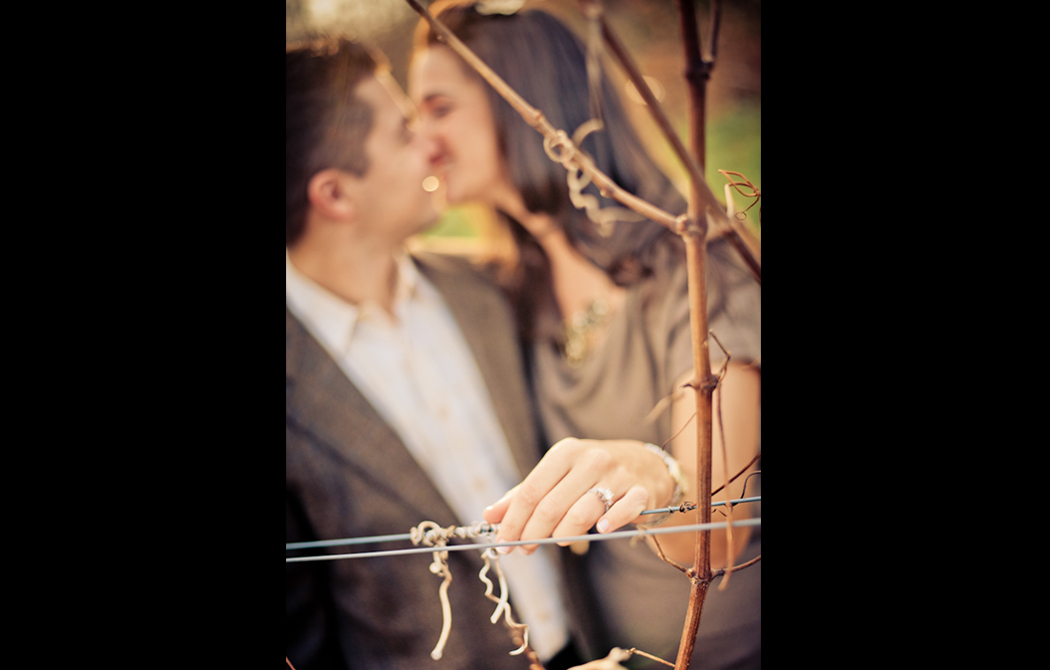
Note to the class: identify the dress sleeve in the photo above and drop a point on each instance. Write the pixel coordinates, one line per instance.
(735, 313)
(734, 305)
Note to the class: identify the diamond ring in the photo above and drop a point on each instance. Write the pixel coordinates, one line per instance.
(605, 495)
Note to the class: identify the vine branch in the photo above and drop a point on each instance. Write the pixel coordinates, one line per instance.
(737, 235)
(699, 198)
(734, 568)
(635, 650)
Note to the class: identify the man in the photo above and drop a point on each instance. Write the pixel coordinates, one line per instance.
(405, 399)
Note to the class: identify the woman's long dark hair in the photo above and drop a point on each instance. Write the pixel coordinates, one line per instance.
(545, 62)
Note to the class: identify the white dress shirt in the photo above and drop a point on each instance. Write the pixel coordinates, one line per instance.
(417, 371)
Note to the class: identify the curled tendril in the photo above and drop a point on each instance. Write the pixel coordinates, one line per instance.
(431, 534)
(563, 150)
(491, 559)
(754, 192)
(561, 142)
(585, 129)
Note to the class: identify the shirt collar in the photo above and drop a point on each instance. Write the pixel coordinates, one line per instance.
(331, 319)
(408, 278)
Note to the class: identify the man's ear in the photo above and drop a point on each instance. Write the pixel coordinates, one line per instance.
(329, 195)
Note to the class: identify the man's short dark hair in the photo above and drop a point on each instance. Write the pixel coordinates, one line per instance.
(326, 126)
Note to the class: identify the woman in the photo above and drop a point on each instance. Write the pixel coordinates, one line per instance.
(605, 324)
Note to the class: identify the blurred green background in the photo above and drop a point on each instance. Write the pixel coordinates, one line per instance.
(651, 31)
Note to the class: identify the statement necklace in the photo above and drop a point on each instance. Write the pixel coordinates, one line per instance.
(582, 330)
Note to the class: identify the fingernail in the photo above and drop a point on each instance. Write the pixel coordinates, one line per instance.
(603, 525)
(504, 550)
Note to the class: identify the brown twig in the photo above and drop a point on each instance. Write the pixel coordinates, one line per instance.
(743, 491)
(737, 475)
(635, 650)
(712, 35)
(725, 459)
(687, 422)
(662, 404)
(701, 572)
(630, 68)
(745, 243)
(727, 570)
(695, 257)
(669, 561)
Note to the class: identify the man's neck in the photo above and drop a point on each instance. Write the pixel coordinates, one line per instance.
(354, 270)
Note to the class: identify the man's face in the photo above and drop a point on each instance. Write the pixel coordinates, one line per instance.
(391, 201)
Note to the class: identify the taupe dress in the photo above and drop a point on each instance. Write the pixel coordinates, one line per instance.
(640, 600)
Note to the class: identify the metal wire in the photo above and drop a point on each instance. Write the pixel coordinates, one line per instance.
(351, 540)
(407, 536)
(691, 506)
(550, 540)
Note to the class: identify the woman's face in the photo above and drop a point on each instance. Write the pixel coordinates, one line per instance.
(455, 116)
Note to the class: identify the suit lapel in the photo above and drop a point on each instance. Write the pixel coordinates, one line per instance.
(322, 400)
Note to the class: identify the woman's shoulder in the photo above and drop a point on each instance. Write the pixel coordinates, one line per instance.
(665, 293)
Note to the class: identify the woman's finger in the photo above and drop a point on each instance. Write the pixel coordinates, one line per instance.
(625, 510)
(581, 517)
(551, 469)
(552, 508)
(494, 512)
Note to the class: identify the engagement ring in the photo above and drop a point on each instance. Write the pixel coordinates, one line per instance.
(605, 495)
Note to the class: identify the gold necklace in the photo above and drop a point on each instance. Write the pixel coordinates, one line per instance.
(581, 331)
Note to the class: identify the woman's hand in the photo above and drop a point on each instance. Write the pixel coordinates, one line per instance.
(559, 498)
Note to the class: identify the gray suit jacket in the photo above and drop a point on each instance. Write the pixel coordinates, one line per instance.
(350, 475)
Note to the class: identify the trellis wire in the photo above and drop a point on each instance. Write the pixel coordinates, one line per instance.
(375, 539)
(692, 506)
(550, 540)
